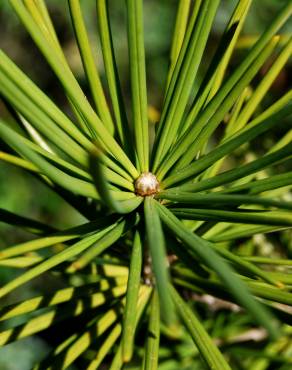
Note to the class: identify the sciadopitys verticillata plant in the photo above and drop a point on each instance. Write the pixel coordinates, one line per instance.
(164, 217)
